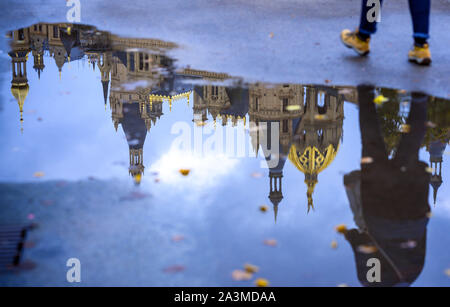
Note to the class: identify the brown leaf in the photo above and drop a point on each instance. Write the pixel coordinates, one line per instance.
(270, 242)
(241, 275)
(174, 269)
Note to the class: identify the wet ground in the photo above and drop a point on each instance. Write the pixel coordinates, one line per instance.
(147, 154)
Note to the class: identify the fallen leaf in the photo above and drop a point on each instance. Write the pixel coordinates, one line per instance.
(447, 272)
(177, 238)
(341, 228)
(241, 275)
(184, 171)
(327, 81)
(334, 244)
(256, 175)
(405, 128)
(366, 160)
(367, 249)
(38, 174)
(250, 268)
(261, 282)
(263, 208)
(430, 124)
(174, 269)
(270, 242)
(271, 35)
(380, 99)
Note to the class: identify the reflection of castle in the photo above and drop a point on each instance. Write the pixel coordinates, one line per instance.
(310, 127)
(436, 150)
(68, 42)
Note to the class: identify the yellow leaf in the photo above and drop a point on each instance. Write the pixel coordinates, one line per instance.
(341, 228)
(39, 174)
(405, 128)
(263, 208)
(261, 282)
(447, 272)
(270, 242)
(184, 171)
(250, 268)
(334, 244)
(380, 99)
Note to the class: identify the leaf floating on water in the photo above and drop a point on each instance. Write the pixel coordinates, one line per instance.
(256, 175)
(447, 272)
(367, 249)
(430, 124)
(177, 238)
(366, 160)
(184, 171)
(250, 268)
(174, 269)
(263, 208)
(327, 81)
(271, 35)
(270, 242)
(293, 107)
(380, 99)
(261, 282)
(341, 228)
(405, 128)
(334, 244)
(39, 174)
(241, 275)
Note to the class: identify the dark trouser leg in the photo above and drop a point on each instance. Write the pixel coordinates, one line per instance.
(372, 141)
(366, 26)
(408, 149)
(420, 14)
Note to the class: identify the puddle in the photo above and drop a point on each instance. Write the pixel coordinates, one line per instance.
(229, 165)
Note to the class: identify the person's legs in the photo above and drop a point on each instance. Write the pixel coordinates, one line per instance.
(372, 141)
(420, 14)
(368, 23)
(408, 149)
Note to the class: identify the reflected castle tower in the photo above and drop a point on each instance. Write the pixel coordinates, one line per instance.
(310, 128)
(282, 107)
(20, 48)
(436, 150)
(317, 135)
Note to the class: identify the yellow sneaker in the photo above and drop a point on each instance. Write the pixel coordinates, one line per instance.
(420, 55)
(351, 40)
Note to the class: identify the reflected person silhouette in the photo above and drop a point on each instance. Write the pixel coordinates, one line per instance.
(389, 197)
